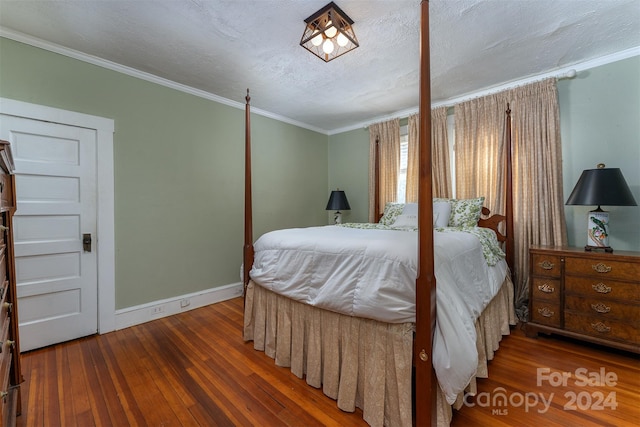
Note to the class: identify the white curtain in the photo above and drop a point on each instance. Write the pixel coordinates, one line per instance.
(388, 136)
(537, 167)
(441, 171)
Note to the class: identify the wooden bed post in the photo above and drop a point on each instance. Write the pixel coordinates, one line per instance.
(376, 182)
(509, 248)
(425, 377)
(248, 211)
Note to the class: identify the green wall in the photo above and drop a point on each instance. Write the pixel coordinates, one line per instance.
(349, 171)
(600, 123)
(599, 115)
(179, 171)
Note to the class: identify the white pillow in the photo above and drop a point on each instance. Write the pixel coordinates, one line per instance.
(406, 221)
(441, 212)
(410, 209)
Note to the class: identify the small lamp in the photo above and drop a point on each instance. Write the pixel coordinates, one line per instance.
(601, 186)
(328, 33)
(337, 202)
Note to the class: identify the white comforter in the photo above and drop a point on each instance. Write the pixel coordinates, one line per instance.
(371, 273)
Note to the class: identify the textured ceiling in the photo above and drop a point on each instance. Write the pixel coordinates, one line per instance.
(224, 47)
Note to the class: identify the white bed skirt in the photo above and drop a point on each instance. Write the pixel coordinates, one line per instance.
(360, 362)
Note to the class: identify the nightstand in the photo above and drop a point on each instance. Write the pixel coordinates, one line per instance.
(592, 296)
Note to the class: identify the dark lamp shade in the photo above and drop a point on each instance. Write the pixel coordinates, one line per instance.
(338, 201)
(601, 186)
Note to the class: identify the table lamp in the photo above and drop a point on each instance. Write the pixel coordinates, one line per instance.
(337, 202)
(601, 186)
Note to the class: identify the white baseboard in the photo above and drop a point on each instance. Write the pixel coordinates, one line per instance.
(136, 315)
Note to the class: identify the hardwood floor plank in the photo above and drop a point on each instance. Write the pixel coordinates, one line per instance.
(130, 358)
(516, 371)
(198, 390)
(117, 356)
(51, 401)
(81, 394)
(195, 370)
(147, 394)
(64, 387)
(222, 376)
(34, 382)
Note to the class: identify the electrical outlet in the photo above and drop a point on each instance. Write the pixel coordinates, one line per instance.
(158, 309)
(185, 303)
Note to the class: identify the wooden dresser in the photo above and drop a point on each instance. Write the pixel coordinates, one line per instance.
(10, 374)
(593, 296)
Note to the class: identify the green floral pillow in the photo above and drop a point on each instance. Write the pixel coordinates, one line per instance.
(465, 212)
(391, 212)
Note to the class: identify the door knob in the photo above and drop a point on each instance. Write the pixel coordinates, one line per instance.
(86, 242)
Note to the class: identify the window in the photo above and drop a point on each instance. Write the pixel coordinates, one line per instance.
(401, 189)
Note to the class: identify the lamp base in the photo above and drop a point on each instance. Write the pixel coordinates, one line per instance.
(596, 248)
(337, 218)
(598, 229)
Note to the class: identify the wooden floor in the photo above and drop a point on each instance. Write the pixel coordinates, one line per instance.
(193, 369)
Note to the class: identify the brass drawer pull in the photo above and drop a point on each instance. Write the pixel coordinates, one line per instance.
(601, 288)
(601, 268)
(601, 327)
(601, 308)
(546, 288)
(546, 265)
(544, 311)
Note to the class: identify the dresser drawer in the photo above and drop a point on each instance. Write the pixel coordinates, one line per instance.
(545, 313)
(546, 289)
(5, 358)
(602, 268)
(545, 265)
(5, 366)
(602, 288)
(606, 309)
(597, 326)
(3, 266)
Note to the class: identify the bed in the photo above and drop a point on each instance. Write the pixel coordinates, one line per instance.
(380, 354)
(336, 304)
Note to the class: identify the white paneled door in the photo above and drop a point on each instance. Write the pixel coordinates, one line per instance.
(54, 230)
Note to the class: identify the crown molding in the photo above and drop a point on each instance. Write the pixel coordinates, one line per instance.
(94, 60)
(559, 73)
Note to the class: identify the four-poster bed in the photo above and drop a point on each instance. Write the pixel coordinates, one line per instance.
(367, 362)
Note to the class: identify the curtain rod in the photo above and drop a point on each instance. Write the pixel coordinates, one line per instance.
(569, 74)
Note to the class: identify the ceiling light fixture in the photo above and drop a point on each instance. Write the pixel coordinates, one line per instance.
(328, 33)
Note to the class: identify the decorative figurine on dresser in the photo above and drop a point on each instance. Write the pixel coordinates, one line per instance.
(592, 296)
(10, 373)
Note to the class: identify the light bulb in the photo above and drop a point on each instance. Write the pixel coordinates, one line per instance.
(330, 32)
(317, 40)
(327, 46)
(342, 40)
